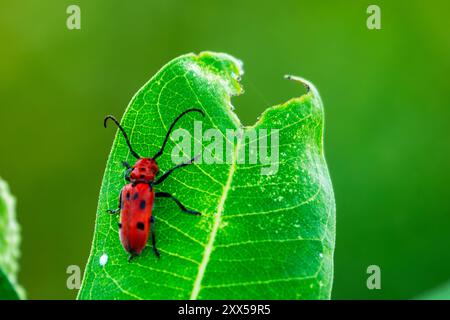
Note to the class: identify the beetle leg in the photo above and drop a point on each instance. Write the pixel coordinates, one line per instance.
(127, 173)
(126, 165)
(180, 205)
(152, 228)
(167, 173)
(131, 256)
(116, 211)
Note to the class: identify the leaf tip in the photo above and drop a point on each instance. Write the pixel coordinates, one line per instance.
(311, 90)
(304, 82)
(226, 67)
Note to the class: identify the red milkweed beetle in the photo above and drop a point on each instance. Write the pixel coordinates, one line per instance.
(137, 197)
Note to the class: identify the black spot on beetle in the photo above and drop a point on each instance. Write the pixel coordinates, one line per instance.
(140, 225)
(128, 195)
(120, 225)
(141, 169)
(142, 176)
(142, 204)
(136, 195)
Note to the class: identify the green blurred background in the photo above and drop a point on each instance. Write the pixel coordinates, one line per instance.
(386, 95)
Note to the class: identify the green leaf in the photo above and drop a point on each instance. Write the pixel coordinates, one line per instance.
(260, 236)
(440, 293)
(9, 244)
(7, 290)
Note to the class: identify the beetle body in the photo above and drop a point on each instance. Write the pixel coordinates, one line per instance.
(137, 197)
(135, 216)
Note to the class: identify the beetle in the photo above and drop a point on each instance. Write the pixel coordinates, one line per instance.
(137, 198)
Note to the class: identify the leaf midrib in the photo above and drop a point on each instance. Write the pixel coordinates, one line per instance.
(217, 220)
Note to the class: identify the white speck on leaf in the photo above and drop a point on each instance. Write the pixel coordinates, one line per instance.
(103, 259)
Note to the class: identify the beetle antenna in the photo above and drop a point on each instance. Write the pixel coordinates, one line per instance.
(124, 134)
(160, 152)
